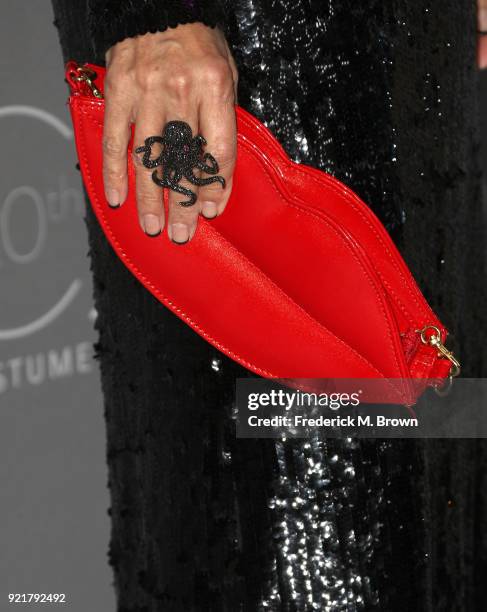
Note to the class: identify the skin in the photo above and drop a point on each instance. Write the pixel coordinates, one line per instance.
(185, 73)
(482, 26)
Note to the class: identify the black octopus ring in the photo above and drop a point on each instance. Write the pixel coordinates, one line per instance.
(181, 153)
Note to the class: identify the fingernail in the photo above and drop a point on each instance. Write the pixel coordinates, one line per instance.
(179, 233)
(482, 25)
(152, 225)
(113, 198)
(209, 210)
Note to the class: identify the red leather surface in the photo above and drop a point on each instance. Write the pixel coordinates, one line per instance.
(297, 279)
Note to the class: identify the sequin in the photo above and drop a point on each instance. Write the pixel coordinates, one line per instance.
(216, 364)
(206, 523)
(298, 62)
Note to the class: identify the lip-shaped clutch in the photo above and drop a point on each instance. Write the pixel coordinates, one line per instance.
(297, 279)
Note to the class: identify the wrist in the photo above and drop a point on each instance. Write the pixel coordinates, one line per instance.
(112, 22)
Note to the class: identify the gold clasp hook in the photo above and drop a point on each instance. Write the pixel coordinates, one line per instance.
(435, 340)
(87, 75)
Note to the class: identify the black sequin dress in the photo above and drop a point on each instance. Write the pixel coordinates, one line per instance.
(383, 96)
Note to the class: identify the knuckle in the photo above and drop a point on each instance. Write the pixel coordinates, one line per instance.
(179, 82)
(150, 77)
(212, 192)
(113, 147)
(181, 214)
(217, 74)
(224, 155)
(148, 201)
(112, 175)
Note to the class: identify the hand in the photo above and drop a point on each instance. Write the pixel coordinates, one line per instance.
(482, 28)
(185, 73)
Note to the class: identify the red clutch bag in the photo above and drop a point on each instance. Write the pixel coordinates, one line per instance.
(327, 296)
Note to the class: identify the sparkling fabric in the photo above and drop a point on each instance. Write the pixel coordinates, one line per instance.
(301, 62)
(382, 95)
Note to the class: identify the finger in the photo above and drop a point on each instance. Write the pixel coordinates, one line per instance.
(218, 126)
(482, 14)
(183, 204)
(150, 204)
(482, 51)
(482, 28)
(116, 136)
(234, 69)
